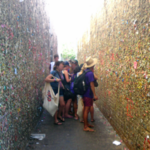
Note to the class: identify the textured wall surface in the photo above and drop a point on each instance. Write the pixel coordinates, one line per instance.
(24, 60)
(53, 41)
(120, 38)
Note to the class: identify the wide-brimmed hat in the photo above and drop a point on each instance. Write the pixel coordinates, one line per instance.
(90, 62)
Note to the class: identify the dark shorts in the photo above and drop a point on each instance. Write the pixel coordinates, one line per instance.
(88, 101)
(61, 93)
(74, 97)
(67, 96)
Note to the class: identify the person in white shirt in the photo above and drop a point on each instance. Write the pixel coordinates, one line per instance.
(52, 64)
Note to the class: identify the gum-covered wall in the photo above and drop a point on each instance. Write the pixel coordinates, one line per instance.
(119, 37)
(24, 59)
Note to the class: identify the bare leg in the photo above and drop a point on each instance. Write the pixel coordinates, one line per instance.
(75, 108)
(85, 117)
(55, 119)
(67, 108)
(92, 113)
(81, 119)
(70, 111)
(61, 107)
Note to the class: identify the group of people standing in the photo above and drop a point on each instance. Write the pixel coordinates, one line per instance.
(66, 73)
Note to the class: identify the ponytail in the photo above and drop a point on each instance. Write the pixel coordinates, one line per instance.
(82, 69)
(55, 67)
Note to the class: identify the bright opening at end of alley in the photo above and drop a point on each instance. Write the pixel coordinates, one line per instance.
(71, 18)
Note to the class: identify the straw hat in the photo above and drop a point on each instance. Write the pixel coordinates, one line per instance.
(90, 62)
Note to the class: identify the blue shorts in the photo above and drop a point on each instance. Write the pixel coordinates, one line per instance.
(61, 93)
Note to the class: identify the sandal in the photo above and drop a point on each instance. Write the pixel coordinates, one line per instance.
(93, 120)
(82, 121)
(57, 123)
(88, 129)
(76, 118)
(61, 119)
(90, 126)
(69, 117)
(71, 113)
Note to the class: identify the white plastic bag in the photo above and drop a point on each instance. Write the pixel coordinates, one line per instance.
(51, 101)
(80, 108)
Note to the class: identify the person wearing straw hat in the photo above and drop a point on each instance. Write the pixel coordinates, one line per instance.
(82, 68)
(90, 94)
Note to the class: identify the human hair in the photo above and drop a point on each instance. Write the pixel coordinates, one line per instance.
(82, 69)
(55, 56)
(81, 66)
(66, 63)
(76, 70)
(57, 64)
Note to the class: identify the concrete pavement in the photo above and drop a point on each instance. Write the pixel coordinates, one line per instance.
(70, 135)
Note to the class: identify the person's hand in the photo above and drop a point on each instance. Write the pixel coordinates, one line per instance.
(95, 77)
(58, 80)
(95, 97)
(71, 75)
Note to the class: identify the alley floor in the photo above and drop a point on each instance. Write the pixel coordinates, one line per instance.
(70, 135)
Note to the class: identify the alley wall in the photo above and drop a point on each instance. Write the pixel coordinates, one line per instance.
(119, 38)
(25, 49)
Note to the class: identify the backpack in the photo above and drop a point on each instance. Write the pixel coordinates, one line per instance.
(72, 84)
(80, 86)
(67, 93)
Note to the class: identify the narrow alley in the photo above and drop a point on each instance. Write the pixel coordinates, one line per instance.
(58, 58)
(70, 135)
